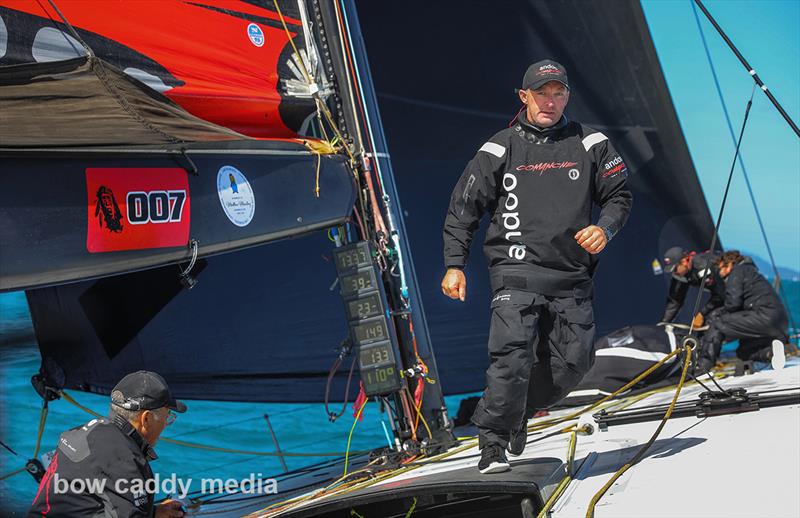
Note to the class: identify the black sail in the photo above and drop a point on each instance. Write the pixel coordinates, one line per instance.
(263, 323)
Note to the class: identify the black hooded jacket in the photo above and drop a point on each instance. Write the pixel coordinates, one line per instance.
(747, 289)
(103, 451)
(538, 186)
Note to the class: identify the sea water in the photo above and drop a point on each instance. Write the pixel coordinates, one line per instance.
(236, 426)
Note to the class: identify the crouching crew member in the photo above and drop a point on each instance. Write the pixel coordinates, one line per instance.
(538, 181)
(753, 314)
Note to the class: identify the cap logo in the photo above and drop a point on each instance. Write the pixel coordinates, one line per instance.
(548, 69)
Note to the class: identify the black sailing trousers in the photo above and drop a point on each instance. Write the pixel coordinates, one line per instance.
(539, 349)
(754, 328)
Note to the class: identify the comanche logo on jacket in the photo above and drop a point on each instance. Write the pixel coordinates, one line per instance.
(543, 167)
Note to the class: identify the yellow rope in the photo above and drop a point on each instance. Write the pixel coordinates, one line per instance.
(596, 498)
(316, 182)
(559, 489)
(39, 434)
(634, 381)
(305, 71)
(411, 510)
(419, 414)
(350, 436)
(42, 420)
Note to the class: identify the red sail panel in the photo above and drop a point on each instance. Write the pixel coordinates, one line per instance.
(224, 61)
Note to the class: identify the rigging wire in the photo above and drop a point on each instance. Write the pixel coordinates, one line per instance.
(722, 206)
(6, 446)
(198, 446)
(750, 69)
(392, 227)
(779, 286)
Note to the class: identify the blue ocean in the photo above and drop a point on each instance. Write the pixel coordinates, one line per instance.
(237, 426)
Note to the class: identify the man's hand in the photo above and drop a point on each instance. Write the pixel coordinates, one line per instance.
(592, 239)
(169, 509)
(698, 320)
(454, 284)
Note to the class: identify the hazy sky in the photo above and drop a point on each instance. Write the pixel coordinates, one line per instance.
(767, 33)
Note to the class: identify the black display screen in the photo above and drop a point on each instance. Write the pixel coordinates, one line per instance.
(371, 331)
(380, 380)
(364, 307)
(358, 282)
(376, 354)
(354, 257)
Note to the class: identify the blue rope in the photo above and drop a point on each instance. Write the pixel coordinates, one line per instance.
(741, 161)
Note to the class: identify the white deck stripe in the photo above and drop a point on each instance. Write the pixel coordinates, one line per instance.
(671, 335)
(494, 149)
(588, 392)
(628, 352)
(591, 140)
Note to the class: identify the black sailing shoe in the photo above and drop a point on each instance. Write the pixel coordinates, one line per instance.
(493, 459)
(517, 441)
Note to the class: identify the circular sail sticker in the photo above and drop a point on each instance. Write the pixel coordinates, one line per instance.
(236, 196)
(255, 34)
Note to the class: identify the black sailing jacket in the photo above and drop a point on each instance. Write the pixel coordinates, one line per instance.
(538, 186)
(746, 289)
(104, 451)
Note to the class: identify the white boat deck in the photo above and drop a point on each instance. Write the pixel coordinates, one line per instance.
(738, 465)
(735, 465)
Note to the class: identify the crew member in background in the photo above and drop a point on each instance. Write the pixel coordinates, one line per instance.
(752, 313)
(538, 180)
(116, 450)
(688, 269)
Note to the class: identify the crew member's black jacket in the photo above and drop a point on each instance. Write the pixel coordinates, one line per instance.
(746, 289)
(679, 286)
(102, 449)
(539, 186)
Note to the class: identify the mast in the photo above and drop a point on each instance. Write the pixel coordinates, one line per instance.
(360, 114)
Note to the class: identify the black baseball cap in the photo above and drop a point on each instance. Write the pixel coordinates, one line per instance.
(672, 257)
(144, 390)
(543, 72)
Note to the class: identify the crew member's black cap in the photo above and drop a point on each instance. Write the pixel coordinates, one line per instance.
(672, 257)
(543, 71)
(144, 390)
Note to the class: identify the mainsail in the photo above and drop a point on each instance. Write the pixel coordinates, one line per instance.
(272, 308)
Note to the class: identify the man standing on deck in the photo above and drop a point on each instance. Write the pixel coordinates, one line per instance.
(538, 180)
(110, 458)
(689, 269)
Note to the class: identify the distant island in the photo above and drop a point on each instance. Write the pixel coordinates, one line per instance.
(765, 268)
